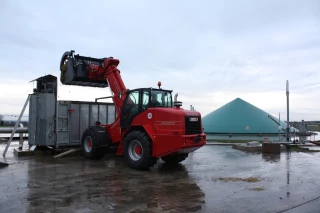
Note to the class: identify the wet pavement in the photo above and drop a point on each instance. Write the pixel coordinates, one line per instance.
(212, 179)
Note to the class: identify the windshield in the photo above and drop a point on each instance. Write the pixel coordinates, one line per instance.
(160, 98)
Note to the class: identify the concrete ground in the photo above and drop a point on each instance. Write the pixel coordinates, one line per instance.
(213, 179)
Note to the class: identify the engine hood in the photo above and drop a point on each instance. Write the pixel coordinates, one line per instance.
(176, 112)
(172, 121)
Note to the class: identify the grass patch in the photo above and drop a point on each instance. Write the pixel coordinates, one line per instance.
(301, 149)
(233, 179)
(256, 189)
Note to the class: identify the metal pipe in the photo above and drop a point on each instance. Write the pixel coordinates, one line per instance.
(176, 97)
(287, 93)
(10, 130)
(21, 140)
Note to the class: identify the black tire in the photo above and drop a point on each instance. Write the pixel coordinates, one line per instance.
(174, 159)
(141, 161)
(95, 152)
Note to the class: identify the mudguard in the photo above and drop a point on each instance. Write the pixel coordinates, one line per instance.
(103, 138)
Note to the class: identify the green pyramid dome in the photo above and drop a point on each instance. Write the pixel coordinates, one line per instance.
(241, 117)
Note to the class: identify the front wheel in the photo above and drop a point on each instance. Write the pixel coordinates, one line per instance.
(89, 145)
(137, 151)
(174, 159)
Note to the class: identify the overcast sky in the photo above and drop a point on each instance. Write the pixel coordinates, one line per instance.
(209, 52)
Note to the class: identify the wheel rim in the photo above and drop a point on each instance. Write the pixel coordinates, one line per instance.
(135, 150)
(88, 144)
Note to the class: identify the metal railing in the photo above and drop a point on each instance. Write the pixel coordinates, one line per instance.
(16, 127)
(20, 131)
(10, 129)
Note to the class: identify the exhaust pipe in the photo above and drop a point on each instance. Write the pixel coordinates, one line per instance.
(176, 97)
(177, 103)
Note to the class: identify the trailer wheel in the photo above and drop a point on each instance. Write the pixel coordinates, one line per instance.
(174, 158)
(137, 151)
(89, 145)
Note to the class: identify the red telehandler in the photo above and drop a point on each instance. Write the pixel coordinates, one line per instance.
(148, 126)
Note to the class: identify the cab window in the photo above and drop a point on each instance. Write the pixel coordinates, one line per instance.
(160, 98)
(145, 99)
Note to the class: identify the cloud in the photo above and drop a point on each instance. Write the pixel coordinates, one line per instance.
(209, 52)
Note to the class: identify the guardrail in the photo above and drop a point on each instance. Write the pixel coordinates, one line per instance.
(10, 130)
(19, 131)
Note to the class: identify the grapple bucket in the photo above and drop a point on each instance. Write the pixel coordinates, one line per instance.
(74, 70)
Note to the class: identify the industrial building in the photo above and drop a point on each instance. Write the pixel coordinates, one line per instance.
(240, 120)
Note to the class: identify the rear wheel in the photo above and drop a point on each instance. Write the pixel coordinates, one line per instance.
(137, 151)
(89, 145)
(174, 158)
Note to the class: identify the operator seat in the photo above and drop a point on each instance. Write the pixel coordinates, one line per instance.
(154, 101)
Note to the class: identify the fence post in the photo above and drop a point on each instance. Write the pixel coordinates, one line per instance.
(21, 140)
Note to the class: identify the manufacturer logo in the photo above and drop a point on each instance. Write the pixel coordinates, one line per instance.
(168, 123)
(193, 119)
(149, 115)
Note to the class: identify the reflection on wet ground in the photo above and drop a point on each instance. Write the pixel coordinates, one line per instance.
(44, 184)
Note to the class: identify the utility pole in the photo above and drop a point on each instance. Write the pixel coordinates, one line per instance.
(287, 93)
(279, 127)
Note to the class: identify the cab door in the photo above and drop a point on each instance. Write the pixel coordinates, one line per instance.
(131, 108)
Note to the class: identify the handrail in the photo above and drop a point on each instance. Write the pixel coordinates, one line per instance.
(16, 126)
(10, 129)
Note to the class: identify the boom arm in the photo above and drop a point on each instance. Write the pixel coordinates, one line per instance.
(94, 72)
(108, 70)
